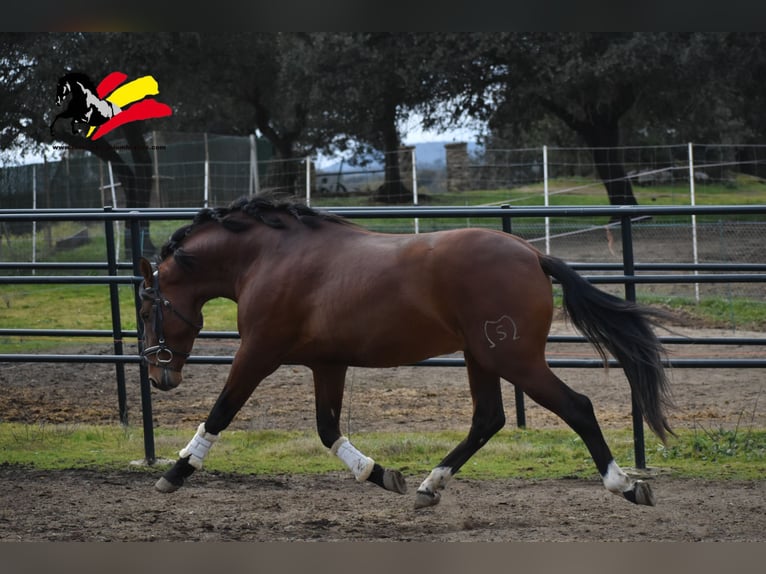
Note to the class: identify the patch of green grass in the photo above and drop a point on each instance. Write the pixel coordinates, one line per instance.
(714, 312)
(80, 307)
(55, 447)
(723, 312)
(62, 307)
(529, 454)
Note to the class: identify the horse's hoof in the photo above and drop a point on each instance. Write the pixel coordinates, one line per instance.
(641, 493)
(424, 498)
(164, 485)
(394, 481)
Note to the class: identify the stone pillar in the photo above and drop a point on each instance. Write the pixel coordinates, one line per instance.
(457, 166)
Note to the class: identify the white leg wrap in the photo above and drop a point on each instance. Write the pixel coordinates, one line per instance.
(198, 446)
(437, 480)
(615, 479)
(359, 464)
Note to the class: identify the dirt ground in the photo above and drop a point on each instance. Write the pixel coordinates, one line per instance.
(123, 506)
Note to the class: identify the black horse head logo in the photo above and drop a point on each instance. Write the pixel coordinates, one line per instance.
(84, 107)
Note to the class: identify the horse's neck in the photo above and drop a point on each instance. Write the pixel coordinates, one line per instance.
(90, 97)
(223, 260)
(211, 281)
(216, 272)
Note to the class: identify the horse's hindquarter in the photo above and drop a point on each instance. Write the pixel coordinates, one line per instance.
(500, 294)
(386, 300)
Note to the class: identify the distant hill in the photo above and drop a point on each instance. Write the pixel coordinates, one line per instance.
(429, 155)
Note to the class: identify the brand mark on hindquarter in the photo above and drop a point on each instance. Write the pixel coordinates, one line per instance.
(500, 330)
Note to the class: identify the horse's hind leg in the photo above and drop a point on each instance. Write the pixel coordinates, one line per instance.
(329, 382)
(488, 418)
(546, 389)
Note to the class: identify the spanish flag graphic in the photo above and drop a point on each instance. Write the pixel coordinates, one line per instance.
(132, 99)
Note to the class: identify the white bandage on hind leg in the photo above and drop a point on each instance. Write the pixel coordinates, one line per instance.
(359, 464)
(437, 480)
(615, 479)
(198, 446)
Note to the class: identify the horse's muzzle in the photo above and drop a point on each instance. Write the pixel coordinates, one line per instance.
(168, 380)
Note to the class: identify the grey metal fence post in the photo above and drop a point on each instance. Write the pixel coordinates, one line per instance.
(114, 299)
(629, 268)
(146, 390)
(521, 416)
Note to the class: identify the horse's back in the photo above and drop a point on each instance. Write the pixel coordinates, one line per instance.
(347, 295)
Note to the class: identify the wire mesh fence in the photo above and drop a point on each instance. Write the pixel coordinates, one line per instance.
(190, 170)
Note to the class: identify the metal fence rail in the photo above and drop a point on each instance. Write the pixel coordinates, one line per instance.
(624, 273)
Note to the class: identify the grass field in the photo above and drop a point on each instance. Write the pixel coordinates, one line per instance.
(713, 454)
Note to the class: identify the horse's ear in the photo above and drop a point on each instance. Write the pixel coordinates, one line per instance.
(146, 270)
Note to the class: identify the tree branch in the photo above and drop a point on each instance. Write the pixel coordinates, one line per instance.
(564, 115)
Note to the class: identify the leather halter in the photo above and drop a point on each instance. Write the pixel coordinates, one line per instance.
(163, 354)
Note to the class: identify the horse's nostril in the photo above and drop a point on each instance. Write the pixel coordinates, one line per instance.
(165, 382)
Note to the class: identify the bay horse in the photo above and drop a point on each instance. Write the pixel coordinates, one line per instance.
(85, 107)
(315, 289)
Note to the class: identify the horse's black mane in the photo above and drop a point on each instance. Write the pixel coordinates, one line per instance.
(262, 208)
(84, 79)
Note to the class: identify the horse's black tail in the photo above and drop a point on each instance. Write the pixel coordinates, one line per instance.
(625, 330)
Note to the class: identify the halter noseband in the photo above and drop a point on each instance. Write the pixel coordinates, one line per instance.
(163, 354)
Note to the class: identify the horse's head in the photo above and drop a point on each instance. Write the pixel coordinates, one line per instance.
(75, 83)
(170, 327)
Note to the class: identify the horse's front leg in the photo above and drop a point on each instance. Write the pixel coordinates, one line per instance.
(243, 378)
(329, 382)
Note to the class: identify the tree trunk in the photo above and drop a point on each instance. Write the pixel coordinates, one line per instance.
(604, 137)
(599, 126)
(137, 189)
(139, 193)
(392, 190)
(282, 176)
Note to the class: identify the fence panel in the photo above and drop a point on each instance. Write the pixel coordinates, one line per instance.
(631, 275)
